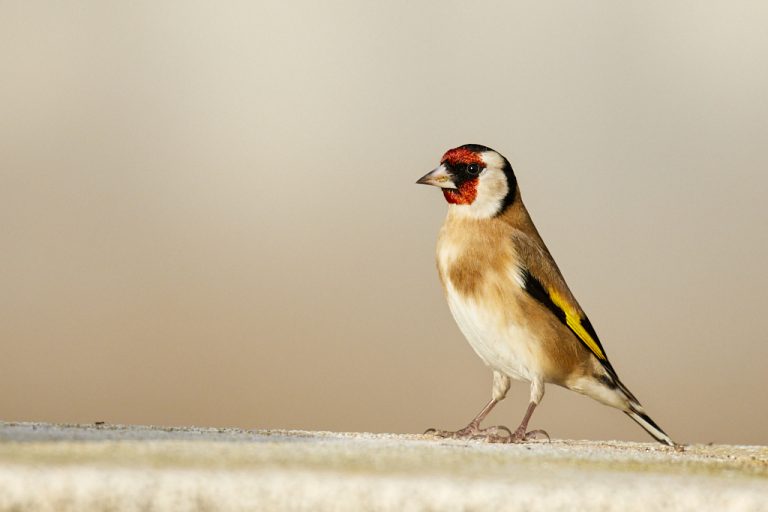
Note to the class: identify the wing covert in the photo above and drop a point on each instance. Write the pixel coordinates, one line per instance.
(542, 280)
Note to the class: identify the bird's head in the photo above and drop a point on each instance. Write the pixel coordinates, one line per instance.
(475, 179)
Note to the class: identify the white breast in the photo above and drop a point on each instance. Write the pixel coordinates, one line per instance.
(503, 344)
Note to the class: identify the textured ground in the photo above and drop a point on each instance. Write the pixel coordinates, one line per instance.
(104, 467)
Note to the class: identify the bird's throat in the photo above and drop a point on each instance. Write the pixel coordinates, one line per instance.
(466, 193)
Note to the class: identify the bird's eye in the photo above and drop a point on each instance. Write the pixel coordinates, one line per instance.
(473, 168)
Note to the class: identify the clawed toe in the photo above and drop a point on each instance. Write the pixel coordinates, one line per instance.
(532, 435)
(438, 433)
(520, 435)
(496, 434)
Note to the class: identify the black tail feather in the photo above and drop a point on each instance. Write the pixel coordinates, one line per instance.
(636, 413)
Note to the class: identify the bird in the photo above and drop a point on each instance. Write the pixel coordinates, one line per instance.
(510, 300)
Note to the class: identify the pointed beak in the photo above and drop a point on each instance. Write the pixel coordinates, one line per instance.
(439, 177)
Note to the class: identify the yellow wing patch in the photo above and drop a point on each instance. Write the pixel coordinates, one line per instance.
(573, 321)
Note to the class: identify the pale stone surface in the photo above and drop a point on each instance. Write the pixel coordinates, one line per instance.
(119, 468)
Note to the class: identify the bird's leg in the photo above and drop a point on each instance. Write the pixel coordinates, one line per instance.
(521, 433)
(474, 426)
(497, 434)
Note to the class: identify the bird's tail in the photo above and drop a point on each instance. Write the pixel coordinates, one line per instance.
(636, 412)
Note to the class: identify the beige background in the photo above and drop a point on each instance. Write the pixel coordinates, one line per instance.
(208, 213)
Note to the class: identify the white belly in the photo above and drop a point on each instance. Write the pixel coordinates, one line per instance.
(505, 346)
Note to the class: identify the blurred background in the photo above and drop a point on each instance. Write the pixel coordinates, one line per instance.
(208, 213)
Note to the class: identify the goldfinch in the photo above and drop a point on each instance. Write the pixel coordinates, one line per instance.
(510, 300)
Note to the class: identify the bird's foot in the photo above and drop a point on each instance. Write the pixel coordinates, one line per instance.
(520, 435)
(496, 434)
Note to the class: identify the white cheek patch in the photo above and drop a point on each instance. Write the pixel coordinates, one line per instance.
(492, 188)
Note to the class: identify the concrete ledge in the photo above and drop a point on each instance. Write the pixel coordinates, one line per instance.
(72, 468)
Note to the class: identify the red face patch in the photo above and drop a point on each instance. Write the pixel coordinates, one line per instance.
(462, 155)
(460, 158)
(465, 194)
